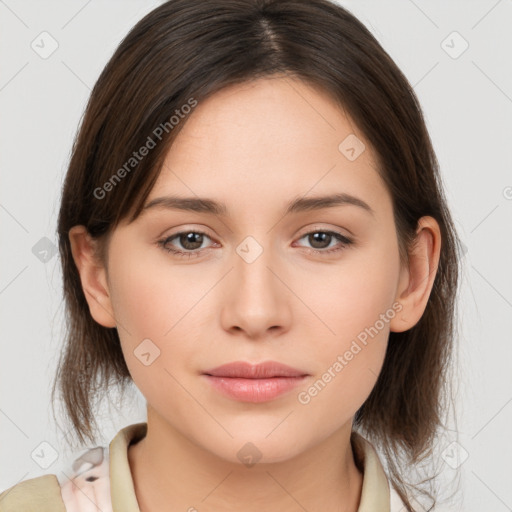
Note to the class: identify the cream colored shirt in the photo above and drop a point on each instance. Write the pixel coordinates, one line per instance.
(101, 478)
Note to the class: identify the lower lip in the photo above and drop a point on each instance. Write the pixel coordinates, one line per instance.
(254, 390)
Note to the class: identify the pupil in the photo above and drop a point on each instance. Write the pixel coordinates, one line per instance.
(189, 241)
(319, 238)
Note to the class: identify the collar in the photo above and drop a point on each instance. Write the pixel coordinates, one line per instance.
(375, 493)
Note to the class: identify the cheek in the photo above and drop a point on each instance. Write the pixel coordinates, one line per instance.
(154, 300)
(355, 306)
(353, 296)
(151, 295)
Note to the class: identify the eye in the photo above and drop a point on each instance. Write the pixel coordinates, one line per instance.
(321, 240)
(191, 241)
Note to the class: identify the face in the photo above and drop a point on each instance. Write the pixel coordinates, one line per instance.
(311, 288)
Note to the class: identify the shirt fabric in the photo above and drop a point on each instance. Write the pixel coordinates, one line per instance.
(101, 479)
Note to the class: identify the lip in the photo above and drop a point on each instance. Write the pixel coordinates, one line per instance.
(254, 383)
(264, 370)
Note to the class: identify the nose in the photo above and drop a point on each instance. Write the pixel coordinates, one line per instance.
(257, 301)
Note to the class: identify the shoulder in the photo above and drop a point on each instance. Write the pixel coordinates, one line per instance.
(84, 481)
(41, 493)
(397, 505)
(88, 481)
(377, 487)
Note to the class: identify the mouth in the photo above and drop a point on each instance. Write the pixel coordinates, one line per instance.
(262, 382)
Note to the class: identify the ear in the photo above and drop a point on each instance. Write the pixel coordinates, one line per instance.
(93, 275)
(416, 281)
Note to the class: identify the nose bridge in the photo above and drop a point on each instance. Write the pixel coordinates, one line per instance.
(257, 298)
(254, 259)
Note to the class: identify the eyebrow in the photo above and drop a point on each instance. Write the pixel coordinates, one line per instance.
(301, 204)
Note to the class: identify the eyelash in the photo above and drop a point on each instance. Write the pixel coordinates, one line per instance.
(344, 242)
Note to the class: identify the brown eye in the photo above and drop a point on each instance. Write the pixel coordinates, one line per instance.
(318, 240)
(186, 243)
(191, 241)
(321, 240)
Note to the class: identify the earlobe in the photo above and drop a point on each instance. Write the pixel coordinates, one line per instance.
(416, 281)
(92, 276)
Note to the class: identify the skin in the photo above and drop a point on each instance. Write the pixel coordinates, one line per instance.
(255, 147)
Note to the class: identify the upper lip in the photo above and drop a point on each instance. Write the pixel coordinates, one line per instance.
(246, 370)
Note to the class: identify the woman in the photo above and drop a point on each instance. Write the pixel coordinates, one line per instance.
(253, 231)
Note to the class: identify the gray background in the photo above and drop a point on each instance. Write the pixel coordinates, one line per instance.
(467, 101)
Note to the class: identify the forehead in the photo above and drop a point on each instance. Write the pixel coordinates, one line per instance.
(269, 139)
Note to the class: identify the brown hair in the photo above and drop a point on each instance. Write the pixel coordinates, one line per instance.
(186, 50)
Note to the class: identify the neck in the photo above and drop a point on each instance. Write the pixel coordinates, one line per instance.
(170, 472)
